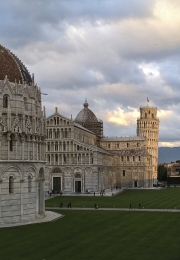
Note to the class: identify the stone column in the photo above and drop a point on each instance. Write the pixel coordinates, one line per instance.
(23, 123)
(37, 196)
(16, 140)
(21, 188)
(37, 149)
(22, 151)
(8, 140)
(0, 145)
(0, 198)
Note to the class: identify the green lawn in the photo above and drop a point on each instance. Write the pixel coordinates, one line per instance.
(96, 235)
(157, 199)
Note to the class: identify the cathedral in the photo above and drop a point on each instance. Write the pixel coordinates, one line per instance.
(80, 159)
(22, 143)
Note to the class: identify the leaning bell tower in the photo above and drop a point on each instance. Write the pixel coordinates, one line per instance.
(148, 126)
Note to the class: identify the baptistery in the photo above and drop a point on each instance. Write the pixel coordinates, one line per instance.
(22, 142)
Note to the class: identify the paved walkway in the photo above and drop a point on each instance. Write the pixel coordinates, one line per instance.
(116, 209)
(108, 193)
(50, 216)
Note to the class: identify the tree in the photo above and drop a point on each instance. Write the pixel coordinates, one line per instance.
(162, 173)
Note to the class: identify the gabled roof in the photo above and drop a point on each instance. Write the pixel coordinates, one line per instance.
(83, 128)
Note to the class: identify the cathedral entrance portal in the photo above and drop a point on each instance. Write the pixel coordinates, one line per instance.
(135, 184)
(77, 182)
(56, 184)
(77, 186)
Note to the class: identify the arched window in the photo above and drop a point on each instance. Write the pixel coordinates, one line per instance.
(29, 183)
(5, 101)
(25, 104)
(11, 143)
(11, 184)
(48, 146)
(124, 173)
(65, 133)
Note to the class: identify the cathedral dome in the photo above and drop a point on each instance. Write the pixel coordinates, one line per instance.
(86, 115)
(12, 67)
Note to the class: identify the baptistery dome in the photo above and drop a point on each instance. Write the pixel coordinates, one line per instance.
(12, 67)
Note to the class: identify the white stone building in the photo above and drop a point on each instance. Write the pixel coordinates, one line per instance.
(22, 143)
(80, 159)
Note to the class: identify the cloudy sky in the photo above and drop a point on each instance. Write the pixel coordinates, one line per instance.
(115, 53)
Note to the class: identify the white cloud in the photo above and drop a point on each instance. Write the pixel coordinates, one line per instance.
(114, 55)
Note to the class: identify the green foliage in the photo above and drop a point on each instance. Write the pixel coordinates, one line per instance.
(155, 198)
(96, 235)
(162, 173)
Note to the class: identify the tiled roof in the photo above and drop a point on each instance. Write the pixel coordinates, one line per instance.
(12, 67)
(123, 138)
(130, 152)
(83, 128)
(86, 115)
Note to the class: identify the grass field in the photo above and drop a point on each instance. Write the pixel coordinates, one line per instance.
(155, 199)
(96, 235)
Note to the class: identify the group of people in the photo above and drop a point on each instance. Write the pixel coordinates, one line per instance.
(130, 206)
(55, 192)
(102, 192)
(68, 205)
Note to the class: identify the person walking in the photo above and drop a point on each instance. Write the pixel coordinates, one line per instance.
(130, 206)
